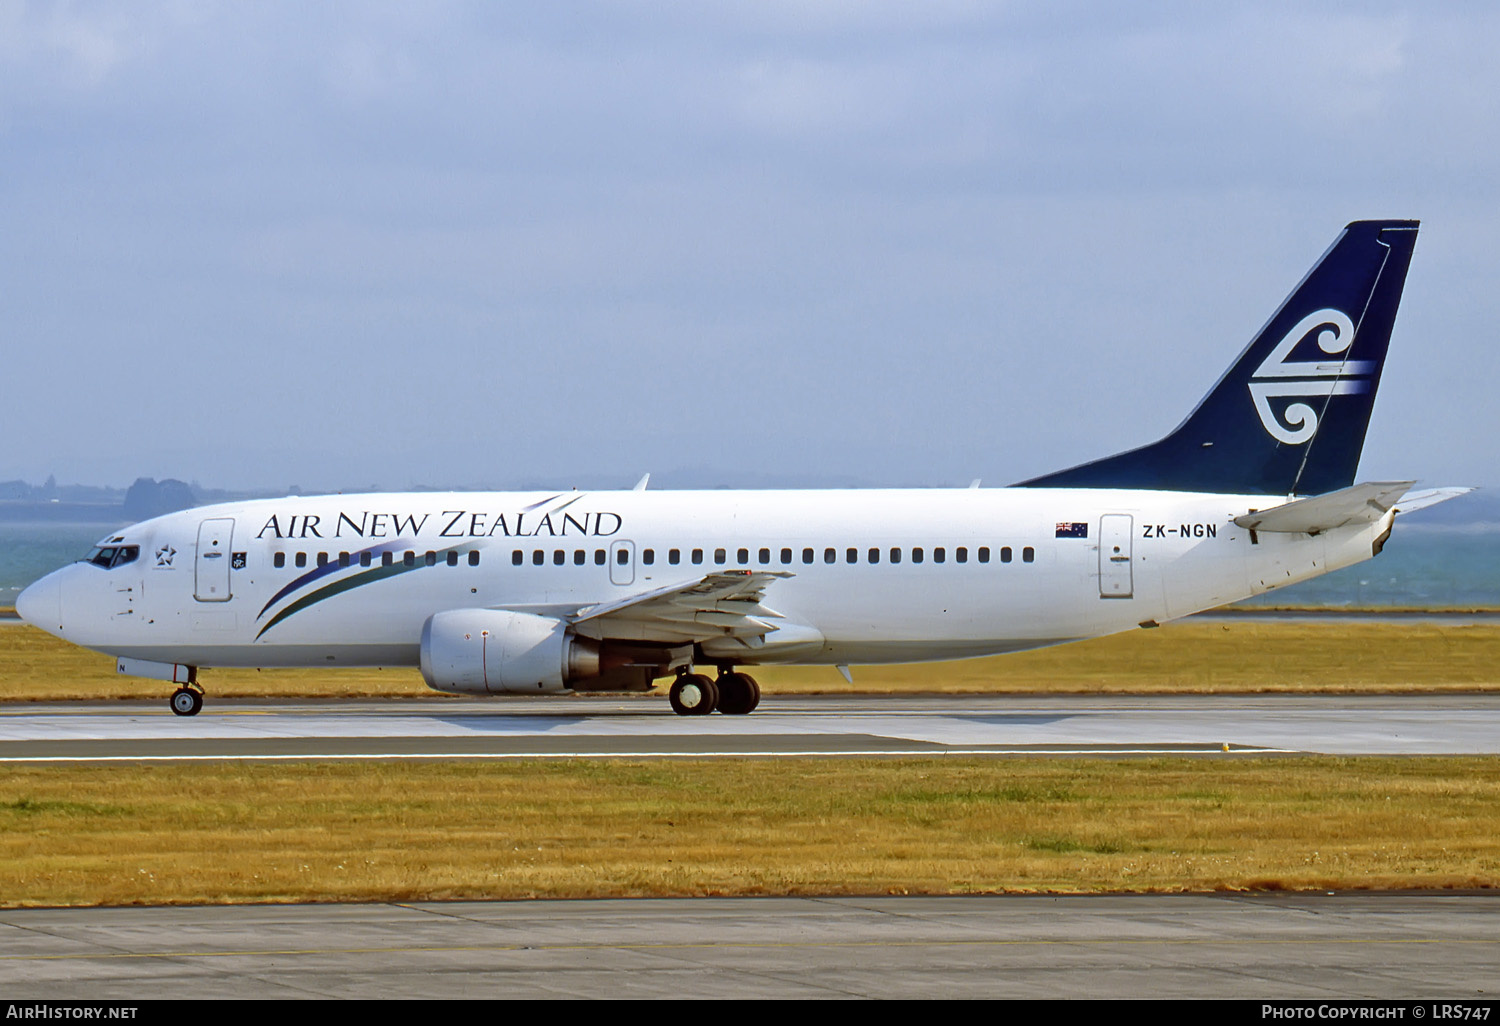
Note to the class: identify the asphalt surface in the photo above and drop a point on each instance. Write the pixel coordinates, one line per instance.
(1265, 947)
(644, 727)
(1303, 947)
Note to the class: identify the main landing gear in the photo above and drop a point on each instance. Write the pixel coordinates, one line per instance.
(696, 694)
(187, 700)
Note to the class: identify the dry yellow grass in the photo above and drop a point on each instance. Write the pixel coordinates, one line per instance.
(1195, 656)
(393, 831)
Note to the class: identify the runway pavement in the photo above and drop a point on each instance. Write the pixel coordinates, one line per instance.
(1266, 947)
(643, 727)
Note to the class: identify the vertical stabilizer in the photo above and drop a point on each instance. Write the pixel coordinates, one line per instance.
(1289, 417)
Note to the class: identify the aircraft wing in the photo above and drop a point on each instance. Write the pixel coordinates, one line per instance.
(1361, 503)
(725, 604)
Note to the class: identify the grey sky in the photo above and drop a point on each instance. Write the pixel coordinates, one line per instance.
(483, 244)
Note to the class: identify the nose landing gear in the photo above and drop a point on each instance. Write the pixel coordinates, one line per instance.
(187, 700)
(695, 694)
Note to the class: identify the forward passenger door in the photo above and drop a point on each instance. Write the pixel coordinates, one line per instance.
(211, 565)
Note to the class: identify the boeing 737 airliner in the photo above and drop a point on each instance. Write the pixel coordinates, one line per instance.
(504, 592)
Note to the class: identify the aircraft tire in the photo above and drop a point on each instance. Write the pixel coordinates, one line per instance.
(738, 694)
(693, 694)
(186, 701)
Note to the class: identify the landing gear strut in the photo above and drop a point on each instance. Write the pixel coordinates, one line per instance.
(186, 701)
(695, 694)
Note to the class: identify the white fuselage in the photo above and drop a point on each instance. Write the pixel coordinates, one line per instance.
(876, 576)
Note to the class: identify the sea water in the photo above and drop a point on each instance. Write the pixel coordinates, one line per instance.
(29, 551)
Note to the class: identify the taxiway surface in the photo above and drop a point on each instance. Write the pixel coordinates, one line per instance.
(1280, 947)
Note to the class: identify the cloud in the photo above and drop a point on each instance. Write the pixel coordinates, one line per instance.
(916, 242)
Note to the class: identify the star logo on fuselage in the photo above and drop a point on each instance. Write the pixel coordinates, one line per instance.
(164, 555)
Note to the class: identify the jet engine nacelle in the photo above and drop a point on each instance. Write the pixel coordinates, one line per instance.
(493, 651)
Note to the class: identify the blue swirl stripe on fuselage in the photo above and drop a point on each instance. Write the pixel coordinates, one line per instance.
(332, 566)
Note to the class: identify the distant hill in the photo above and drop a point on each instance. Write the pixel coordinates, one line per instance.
(149, 498)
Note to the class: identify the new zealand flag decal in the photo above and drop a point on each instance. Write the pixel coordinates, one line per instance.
(1072, 530)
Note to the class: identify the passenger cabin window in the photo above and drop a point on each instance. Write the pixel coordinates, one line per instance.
(648, 556)
(720, 556)
(301, 559)
(279, 560)
(807, 555)
(830, 555)
(473, 557)
(364, 559)
(984, 553)
(408, 558)
(742, 556)
(960, 555)
(939, 554)
(322, 559)
(1028, 555)
(674, 556)
(538, 557)
(344, 559)
(1005, 554)
(517, 557)
(452, 558)
(697, 555)
(874, 556)
(851, 556)
(386, 558)
(431, 558)
(559, 557)
(895, 555)
(622, 556)
(916, 555)
(765, 556)
(599, 558)
(580, 557)
(786, 556)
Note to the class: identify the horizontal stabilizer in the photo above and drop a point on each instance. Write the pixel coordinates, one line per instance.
(1361, 503)
(1413, 501)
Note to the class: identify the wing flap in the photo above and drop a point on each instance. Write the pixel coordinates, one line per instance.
(725, 604)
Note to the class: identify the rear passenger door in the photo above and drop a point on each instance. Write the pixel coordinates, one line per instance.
(1116, 535)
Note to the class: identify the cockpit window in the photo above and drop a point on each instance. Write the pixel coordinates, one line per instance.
(109, 556)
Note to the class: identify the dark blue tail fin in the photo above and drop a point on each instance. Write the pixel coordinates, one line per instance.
(1290, 416)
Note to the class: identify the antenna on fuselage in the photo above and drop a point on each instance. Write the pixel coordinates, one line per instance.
(640, 486)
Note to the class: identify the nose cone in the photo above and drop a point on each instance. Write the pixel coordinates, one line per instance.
(41, 604)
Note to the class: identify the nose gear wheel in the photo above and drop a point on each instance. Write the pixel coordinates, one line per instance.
(186, 701)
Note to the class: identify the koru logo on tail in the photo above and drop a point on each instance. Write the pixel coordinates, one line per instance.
(1280, 377)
